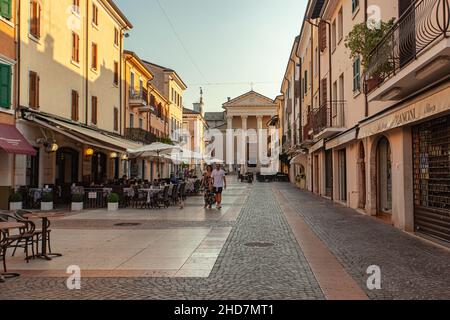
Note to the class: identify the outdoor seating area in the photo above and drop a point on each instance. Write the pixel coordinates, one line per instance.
(20, 231)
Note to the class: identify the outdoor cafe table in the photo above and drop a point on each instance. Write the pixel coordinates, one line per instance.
(45, 225)
(4, 228)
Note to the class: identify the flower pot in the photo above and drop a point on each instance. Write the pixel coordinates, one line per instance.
(373, 82)
(14, 206)
(303, 184)
(77, 206)
(113, 206)
(46, 206)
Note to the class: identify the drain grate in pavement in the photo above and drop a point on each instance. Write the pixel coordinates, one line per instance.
(127, 224)
(259, 244)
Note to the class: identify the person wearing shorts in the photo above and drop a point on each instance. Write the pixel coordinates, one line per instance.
(219, 184)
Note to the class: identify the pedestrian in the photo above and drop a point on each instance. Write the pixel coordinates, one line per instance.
(239, 173)
(207, 186)
(219, 183)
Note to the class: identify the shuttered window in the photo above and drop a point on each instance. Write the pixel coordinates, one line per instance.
(35, 19)
(34, 90)
(95, 15)
(322, 36)
(116, 73)
(355, 5)
(75, 101)
(5, 86)
(6, 9)
(324, 91)
(75, 47)
(94, 110)
(116, 119)
(94, 56)
(357, 75)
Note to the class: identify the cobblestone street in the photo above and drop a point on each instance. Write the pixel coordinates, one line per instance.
(262, 259)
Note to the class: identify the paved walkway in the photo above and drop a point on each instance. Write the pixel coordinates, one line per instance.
(282, 244)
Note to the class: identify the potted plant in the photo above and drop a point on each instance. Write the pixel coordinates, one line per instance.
(47, 201)
(15, 201)
(113, 202)
(77, 202)
(300, 181)
(361, 41)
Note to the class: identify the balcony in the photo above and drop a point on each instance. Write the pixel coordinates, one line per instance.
(138, 98)
(413, 54)
(328, 120)
(140, 135)
(307, 138)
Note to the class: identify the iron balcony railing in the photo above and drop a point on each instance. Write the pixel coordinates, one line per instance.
(141, 95)
(140, 135)
(329, 115)
(423, 23)
(307, 128)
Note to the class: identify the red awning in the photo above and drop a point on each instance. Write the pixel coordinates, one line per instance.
(12, 141)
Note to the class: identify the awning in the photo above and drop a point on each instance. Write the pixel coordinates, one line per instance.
(342, 139)
(87, 135)
(12, 141)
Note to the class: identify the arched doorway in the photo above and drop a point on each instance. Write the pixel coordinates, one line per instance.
(384, 179)
(362, 177)
(67, 160)
(98, 168)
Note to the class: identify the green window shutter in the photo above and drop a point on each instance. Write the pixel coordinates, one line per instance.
(5, 86)
(6, 8)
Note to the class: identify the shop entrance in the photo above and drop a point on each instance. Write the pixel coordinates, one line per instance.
(431, 148)
(67, 161)
(99, 168)
(384, 179)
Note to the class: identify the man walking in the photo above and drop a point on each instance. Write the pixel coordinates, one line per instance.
(219, 183)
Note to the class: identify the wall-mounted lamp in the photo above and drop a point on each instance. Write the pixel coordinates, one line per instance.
(89, 152)
(113, 155)
(124, 157)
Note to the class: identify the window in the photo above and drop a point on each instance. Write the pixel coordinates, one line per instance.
(95, 15)
(75, 101)
(35, 19)
(132, 82)
(131, 120)
(357, 75)
(76, 6)
(6, 9)
(322, 36)
(94, 110)
(116, 119)
(333, 35)
(355, 5)
(141, 123)
(306, 82)
(116, 73)
(94, 56)
(341, 88)
(116, 37)
(33, 90)
(340, 25)
(75, 47)
(316, 62)
(5, 85)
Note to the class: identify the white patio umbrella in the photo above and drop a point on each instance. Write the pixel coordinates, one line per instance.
(210, 160)
(153, 150)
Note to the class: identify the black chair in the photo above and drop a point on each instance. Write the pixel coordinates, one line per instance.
(23, 239)
(163, 198)
(174, 196)
(182, 192)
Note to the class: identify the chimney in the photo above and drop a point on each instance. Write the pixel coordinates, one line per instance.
(229, 99)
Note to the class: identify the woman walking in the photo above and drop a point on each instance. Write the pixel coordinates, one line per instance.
(207, 185)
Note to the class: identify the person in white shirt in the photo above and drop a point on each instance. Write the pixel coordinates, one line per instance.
(219, 184)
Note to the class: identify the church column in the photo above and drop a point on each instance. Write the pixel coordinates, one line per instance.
(229, 152)
(244, 143)
(261, 143)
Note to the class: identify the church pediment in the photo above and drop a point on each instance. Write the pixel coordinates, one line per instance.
(249, 99)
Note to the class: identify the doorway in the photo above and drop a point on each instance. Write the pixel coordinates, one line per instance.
(362, 177)
(32, 170)
(342, 175)
(384, 179)
(67, 160)
(99, 168)
(316, 174)
(329, 173)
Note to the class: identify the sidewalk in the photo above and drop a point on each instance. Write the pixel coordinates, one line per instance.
(411, 268)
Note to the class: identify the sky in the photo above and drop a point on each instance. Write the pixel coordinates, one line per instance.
(221, 46)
